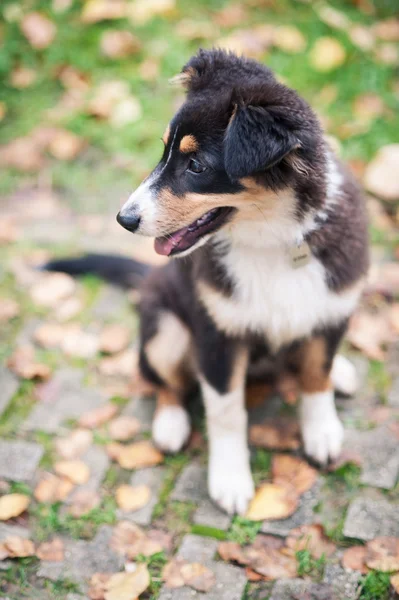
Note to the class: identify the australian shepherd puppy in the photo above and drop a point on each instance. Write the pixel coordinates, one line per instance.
(268, 235)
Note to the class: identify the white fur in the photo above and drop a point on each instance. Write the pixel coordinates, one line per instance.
(143, 202)
(343, 375)
(229, 475)
(171, 428)
(321, 429)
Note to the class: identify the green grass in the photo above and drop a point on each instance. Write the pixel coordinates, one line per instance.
(155, 564)
(261, 465)
(18, 410)
(243, 531)
(349, 474)
(212, 532)
(175, 465)
(375, 586)
(309, 566)
(379, 378)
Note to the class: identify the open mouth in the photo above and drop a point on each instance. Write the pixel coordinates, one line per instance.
(184, 238)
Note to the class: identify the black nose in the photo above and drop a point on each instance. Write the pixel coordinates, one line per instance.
(129, 222)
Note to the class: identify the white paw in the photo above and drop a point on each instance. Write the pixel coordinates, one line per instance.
(344, 376)
(323, 439)
(171, 428)
(231, 486)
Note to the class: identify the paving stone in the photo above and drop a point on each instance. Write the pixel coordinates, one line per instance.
(368, 518)
(192, 487)
(5, 532)
(393, 396)
(9, 385)
(230, 580)
(293, 589)
(98, 462)
(153, 478)
(344, 583)
(380, 451)
(26, 334)
(83, 559)
(109, 303)
(19, 460)
(143, 409)
(72, 401)
(303, 515)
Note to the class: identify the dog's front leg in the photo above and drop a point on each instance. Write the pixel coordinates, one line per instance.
(223, 371)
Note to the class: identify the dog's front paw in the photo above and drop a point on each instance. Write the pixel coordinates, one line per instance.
(171, 428)
(230, 486)
(323, 439)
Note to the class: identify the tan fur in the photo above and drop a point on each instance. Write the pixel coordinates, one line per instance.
(165, 137)
(166, 397)
(313, 375)
(184, 78)
(188, 143)
(240, 369)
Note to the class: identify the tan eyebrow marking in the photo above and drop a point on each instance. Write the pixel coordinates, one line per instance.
(188, 143)
(165, 137)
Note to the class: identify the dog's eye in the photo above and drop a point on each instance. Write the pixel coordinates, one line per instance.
(195, 167)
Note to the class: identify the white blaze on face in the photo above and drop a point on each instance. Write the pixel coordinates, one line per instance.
(143, 203)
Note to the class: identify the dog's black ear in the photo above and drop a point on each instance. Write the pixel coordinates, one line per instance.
(256, 139)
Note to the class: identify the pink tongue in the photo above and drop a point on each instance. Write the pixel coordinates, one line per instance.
(165, 245)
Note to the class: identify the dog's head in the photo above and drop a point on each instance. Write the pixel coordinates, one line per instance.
(239, 139)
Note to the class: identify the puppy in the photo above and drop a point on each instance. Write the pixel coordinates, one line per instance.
(269, 234)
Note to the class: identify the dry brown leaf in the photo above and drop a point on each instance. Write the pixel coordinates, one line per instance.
(123, 428)
(98, 416)
(327, 54)
(21, 154)
(354, 558)
(189, 29)
(281, 434)
(394, 316)
(38, 30)
(289, 39)
(387, 30)
(49, 335)
(128, 586)
(395, 582)
(387, 54)
(23, 363)
(125, 535)
(149, 71)
(52, 489)
(3, 551)
(292, 471)
(9, 309)
(251, 42)
(139, 455)
(362, 37)
(380, 177)
(8, 231)
(75, 470)
(13, 505)
(272, 501)
(119, 44)
(198, 577)
(369, 333)
(142, 11)
(18, 547)
(252, 575)
(231, 551)
(98, 585)
(53, 551)
(103, 10)
(82, 502)
(68, 309)
(368, 107)
(74, 444)
(172, 575)
(146, 546)
(130, 498)
(79, 343)
(383, 554)
(114, 338)
(52, 288)
(66, 145)
(22, 77)
(333, 17)
(231, 15)
(120, 365)
(129, 539)
(311, 538)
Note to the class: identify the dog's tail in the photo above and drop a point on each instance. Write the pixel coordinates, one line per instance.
(122, 271)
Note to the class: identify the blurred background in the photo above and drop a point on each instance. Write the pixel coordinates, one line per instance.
(84, 101)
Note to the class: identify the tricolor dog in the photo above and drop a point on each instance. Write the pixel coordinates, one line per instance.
(267, 238)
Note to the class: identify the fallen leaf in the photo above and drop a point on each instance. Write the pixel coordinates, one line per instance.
(250, 42)
(79, 343)
(252, 575)
(60, 6)
(3, 110)
(198, 577)
(311, 538)
(13, 505)
(380, 177)
(129, 539)
(98, 416)
(123, 428)
(52, 551)
(189, 29)
(52, 288)
(126, 111)
(120, 365)
(387, 30)
(52, 489)
(22, 154)
(128, 586)
(82, 502)
(395, 582)
(346, 456)
(66, 145)
(8, 231)
(327, 54)
(362, 37)
(130, 498)
(114, 338)
(289, 39)
(103, 10)
(354, 558)
(232, 552)
(280, 434)
(124, 535)
(119, 44)
(49, 335)
(230, 15)
(394, 316)
(74, 444)
(272, 501)
(75, 470)
(98, 585)
(105, 96)
(369, 106)
(22, 77)
(142, 11)
(149, 71)
(18, 547)
(333, 17)
(292, 471)
(38, 30)
(146, 546)
(68, 309)
(383, 554)
(139, 455)
(370, 333)
(23, 363)
(387, 54)
(9, 309)
(384, 280)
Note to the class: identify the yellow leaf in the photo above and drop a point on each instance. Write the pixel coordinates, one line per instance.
(130, 498)
(13, 505)
(327, 54)
(139, 455)
(128, 586)
(272, 501)
(74, 470)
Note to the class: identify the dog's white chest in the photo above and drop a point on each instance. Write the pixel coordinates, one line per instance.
(272, 297)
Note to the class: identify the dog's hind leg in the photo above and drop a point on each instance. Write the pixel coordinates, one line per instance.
(163, 361)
